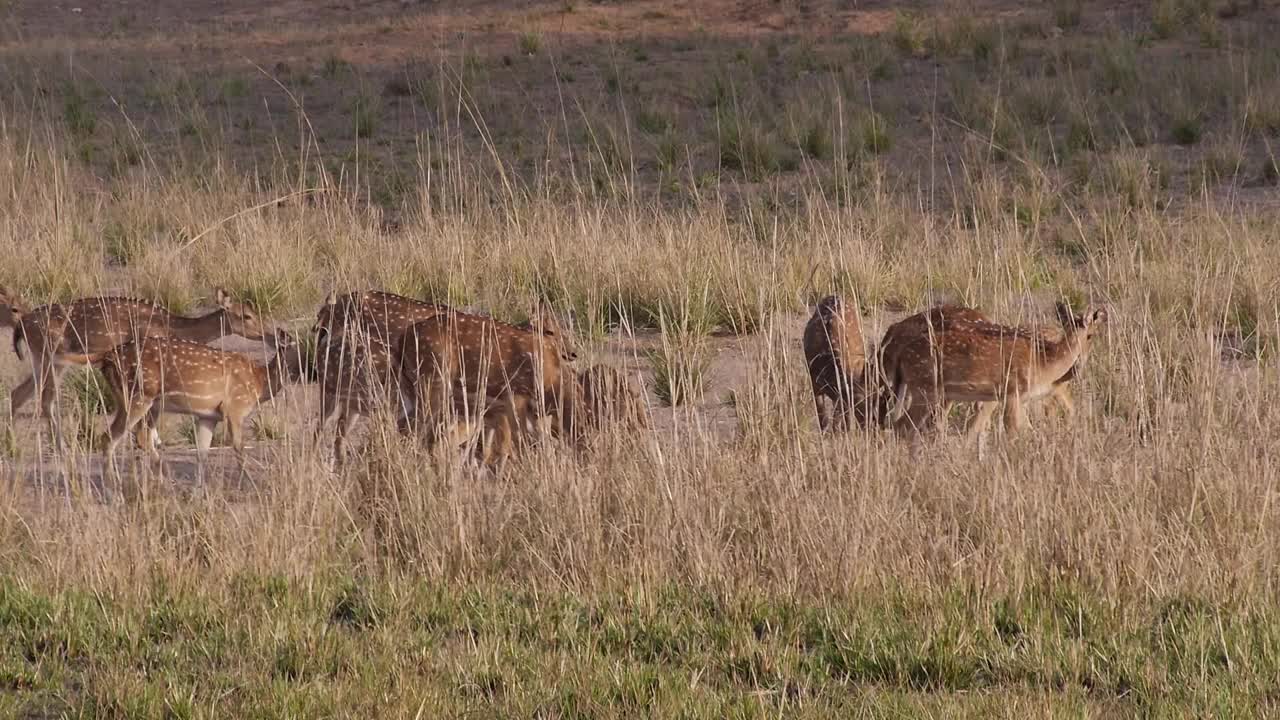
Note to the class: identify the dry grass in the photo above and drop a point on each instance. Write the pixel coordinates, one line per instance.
(1122, 563)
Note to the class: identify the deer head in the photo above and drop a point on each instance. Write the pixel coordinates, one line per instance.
(239, 318)
(11, 308)
(543, 320)
(293, 360)
(1081, 327)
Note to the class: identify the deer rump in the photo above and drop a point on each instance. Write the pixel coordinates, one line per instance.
(461, 364)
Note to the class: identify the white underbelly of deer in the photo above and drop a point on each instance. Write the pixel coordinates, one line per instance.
(178, 406)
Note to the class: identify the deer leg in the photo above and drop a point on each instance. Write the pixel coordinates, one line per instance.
(847, 398)
(515, 412)
(1014, 418)
(503, 432)
(204, 440)
(51, 377)
(439, 404)
(127, 416)
(1062, 396)
(148, 431)
(840, 411)
(328, 409)
(21, 394)
(820, 404)
(41, 367)
(407, 417)
(204, 435)
(922, 413)
(344, 425)
(981, 420)
(235, 429)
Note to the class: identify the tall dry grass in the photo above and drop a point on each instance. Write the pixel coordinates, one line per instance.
(1164, 483)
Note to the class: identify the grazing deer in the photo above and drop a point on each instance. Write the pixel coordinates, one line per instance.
(154, 375)
(55, 335)
(604, 396)
(980, 361)
(356, 335)
(937, 319)
(836, 358)
(448, 360)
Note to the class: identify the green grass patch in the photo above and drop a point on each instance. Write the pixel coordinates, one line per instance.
(270, 647)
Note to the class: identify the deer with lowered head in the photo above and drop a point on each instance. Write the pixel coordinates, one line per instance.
(966, 359)
(458, 362)
(53, 337)
(836, 358)
(356, 367)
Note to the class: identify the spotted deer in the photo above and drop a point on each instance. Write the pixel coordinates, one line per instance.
(836, 359)
(151, 376)
(901, 334)
(53, 336)
(602, 397)
(456, 362)
(356, 367)
(970, 360)
(374, 312)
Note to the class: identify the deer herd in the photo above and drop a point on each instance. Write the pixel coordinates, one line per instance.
(454, 377)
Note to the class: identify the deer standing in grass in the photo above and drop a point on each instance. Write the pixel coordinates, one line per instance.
(154, 375)
(356, 336)
(902, 334)
(459, 363)
(836, 359)
(54, 336)
(966, 359)
(601, 397)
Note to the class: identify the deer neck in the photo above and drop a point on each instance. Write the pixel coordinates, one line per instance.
(271, 379)
(202, 329)
(1060, 357)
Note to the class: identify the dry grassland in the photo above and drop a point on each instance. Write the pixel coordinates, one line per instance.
(672, 193)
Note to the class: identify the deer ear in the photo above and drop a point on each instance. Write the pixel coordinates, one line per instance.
(540, 318)
(1097, 316)
(223, 298)
(1065, 316)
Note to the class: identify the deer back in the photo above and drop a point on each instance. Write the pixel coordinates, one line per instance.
(382, 315)
(156, 366)
(482, 353)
